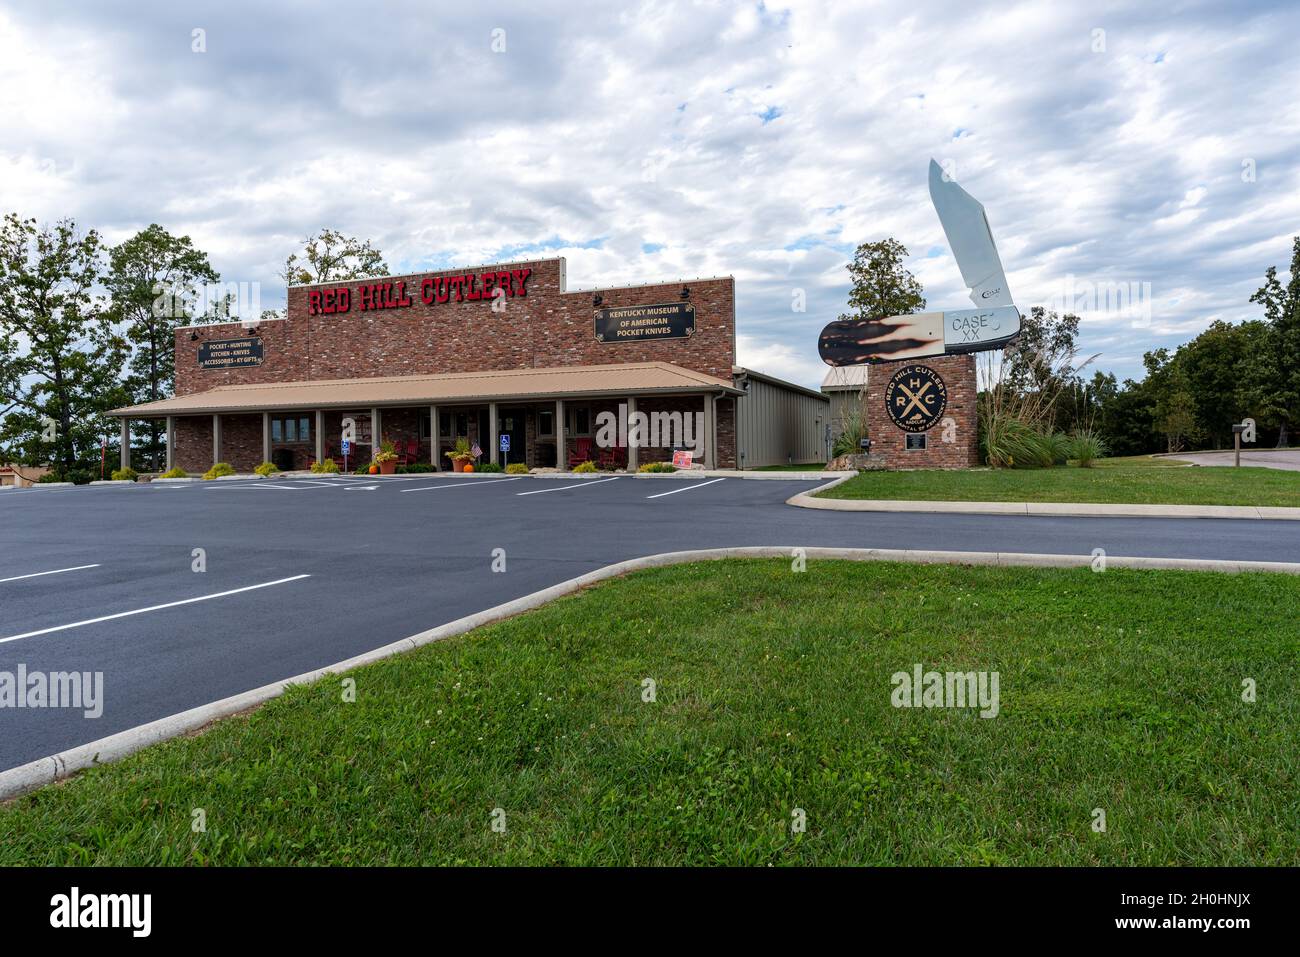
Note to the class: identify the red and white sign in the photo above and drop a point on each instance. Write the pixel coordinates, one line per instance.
(468, 287)
(683, 460)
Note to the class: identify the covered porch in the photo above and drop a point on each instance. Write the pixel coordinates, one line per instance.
(548, 418)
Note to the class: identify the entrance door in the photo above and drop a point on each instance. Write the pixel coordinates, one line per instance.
(512, 423)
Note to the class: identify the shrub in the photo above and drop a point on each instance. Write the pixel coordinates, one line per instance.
(517, 468)
(586, 468)
(489, 467)
(325, 467)
(416, 467)
(657, 467)
(266, 468)
(49, 477)
(1010, 443)
(849, 441)
(127, 474)
(1086, 446)
(175, 472)
(221, 468)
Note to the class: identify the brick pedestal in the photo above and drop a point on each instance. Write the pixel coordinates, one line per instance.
(952, 442)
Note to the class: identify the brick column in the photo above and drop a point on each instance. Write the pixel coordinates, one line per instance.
(952, 442)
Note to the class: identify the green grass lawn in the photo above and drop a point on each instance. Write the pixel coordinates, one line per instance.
(1118, 690)
(1143, 481)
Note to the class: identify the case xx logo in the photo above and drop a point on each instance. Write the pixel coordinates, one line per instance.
(915, 398)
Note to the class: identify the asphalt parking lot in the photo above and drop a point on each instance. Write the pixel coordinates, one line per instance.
(303, 573)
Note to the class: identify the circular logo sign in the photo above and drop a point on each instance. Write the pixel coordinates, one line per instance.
(915, 398)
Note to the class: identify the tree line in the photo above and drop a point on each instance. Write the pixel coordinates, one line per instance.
(86, 327)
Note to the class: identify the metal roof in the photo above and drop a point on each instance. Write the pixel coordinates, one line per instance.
(635, 378)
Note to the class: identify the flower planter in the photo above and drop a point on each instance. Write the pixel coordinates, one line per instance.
(458, 465)
(388, 468)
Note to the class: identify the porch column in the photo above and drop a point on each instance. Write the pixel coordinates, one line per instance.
(125, 453)
(266, 436)
(171, 442)
(492, 420)
(711, 403)
(561, 454)
(216, 439)
(320, 435)
(433, 438)
(631, 446)
(376, 436)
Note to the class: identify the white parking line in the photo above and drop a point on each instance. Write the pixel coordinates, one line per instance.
(141, 611)
(687, 488)
(462, 483)
(563, 487)
(57, 571)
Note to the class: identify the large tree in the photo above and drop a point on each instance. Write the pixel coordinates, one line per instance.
(59, 355)
(1282, 313)
(882, 285)
(152, 279)
(330, 256)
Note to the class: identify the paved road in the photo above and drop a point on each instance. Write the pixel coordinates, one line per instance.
(1288, 459)
(388, 558)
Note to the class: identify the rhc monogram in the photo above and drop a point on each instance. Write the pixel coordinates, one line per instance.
(915, 398)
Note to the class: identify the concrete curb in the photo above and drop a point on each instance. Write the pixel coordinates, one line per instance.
(113, 482)
(809, 499)
(36, 774)
(53, 485)
(176, 481)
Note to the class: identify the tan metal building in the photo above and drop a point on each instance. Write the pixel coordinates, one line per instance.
(778, 422)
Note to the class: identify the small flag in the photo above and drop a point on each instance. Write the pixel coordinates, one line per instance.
(475, 450)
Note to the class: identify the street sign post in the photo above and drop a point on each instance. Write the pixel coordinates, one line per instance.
(505, 448)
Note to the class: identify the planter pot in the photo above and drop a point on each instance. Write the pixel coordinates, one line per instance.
(458, 465)
(388, 468)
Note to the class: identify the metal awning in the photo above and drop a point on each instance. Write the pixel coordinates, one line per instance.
(562, 382)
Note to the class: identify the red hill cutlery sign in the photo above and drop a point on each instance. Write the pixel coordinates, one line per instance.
(670, 320)
(231, 353)
(485, 286)
(915, 398)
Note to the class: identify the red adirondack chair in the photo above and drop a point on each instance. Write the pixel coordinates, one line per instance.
(581, 452)
(615, 458)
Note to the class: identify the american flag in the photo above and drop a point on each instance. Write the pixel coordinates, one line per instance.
(475, 450)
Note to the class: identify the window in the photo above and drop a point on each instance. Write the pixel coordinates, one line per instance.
(462, 424)
(579, 421)
(444, 425)
(424, 426)
(546, 423)
(287, 430)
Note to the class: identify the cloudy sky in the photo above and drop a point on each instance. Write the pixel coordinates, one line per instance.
(1136, 144)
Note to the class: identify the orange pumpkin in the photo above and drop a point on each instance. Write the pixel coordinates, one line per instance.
(469, 468)
(374, 470)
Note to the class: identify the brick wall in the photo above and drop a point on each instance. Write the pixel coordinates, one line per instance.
(545, 327)
(889, 441)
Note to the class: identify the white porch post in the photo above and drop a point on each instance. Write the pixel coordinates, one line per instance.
(376, 436)
(631, 446)
(320, 435)
(266, 436)
(492, 420)
(124, 454)
(561, 453)
(433, 437)
(171, 442)
(216, 438)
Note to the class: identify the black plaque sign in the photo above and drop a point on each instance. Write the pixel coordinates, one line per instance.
(231, 353)
(915, 398)
(671, 320)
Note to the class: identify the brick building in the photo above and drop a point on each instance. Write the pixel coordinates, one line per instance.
(428, 359)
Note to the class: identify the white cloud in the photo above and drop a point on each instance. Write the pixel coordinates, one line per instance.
(763, 141)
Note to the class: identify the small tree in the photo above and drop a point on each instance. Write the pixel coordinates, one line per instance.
(882, 285)
(329, 256)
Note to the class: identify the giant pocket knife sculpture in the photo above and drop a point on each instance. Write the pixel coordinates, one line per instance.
(992, 324)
